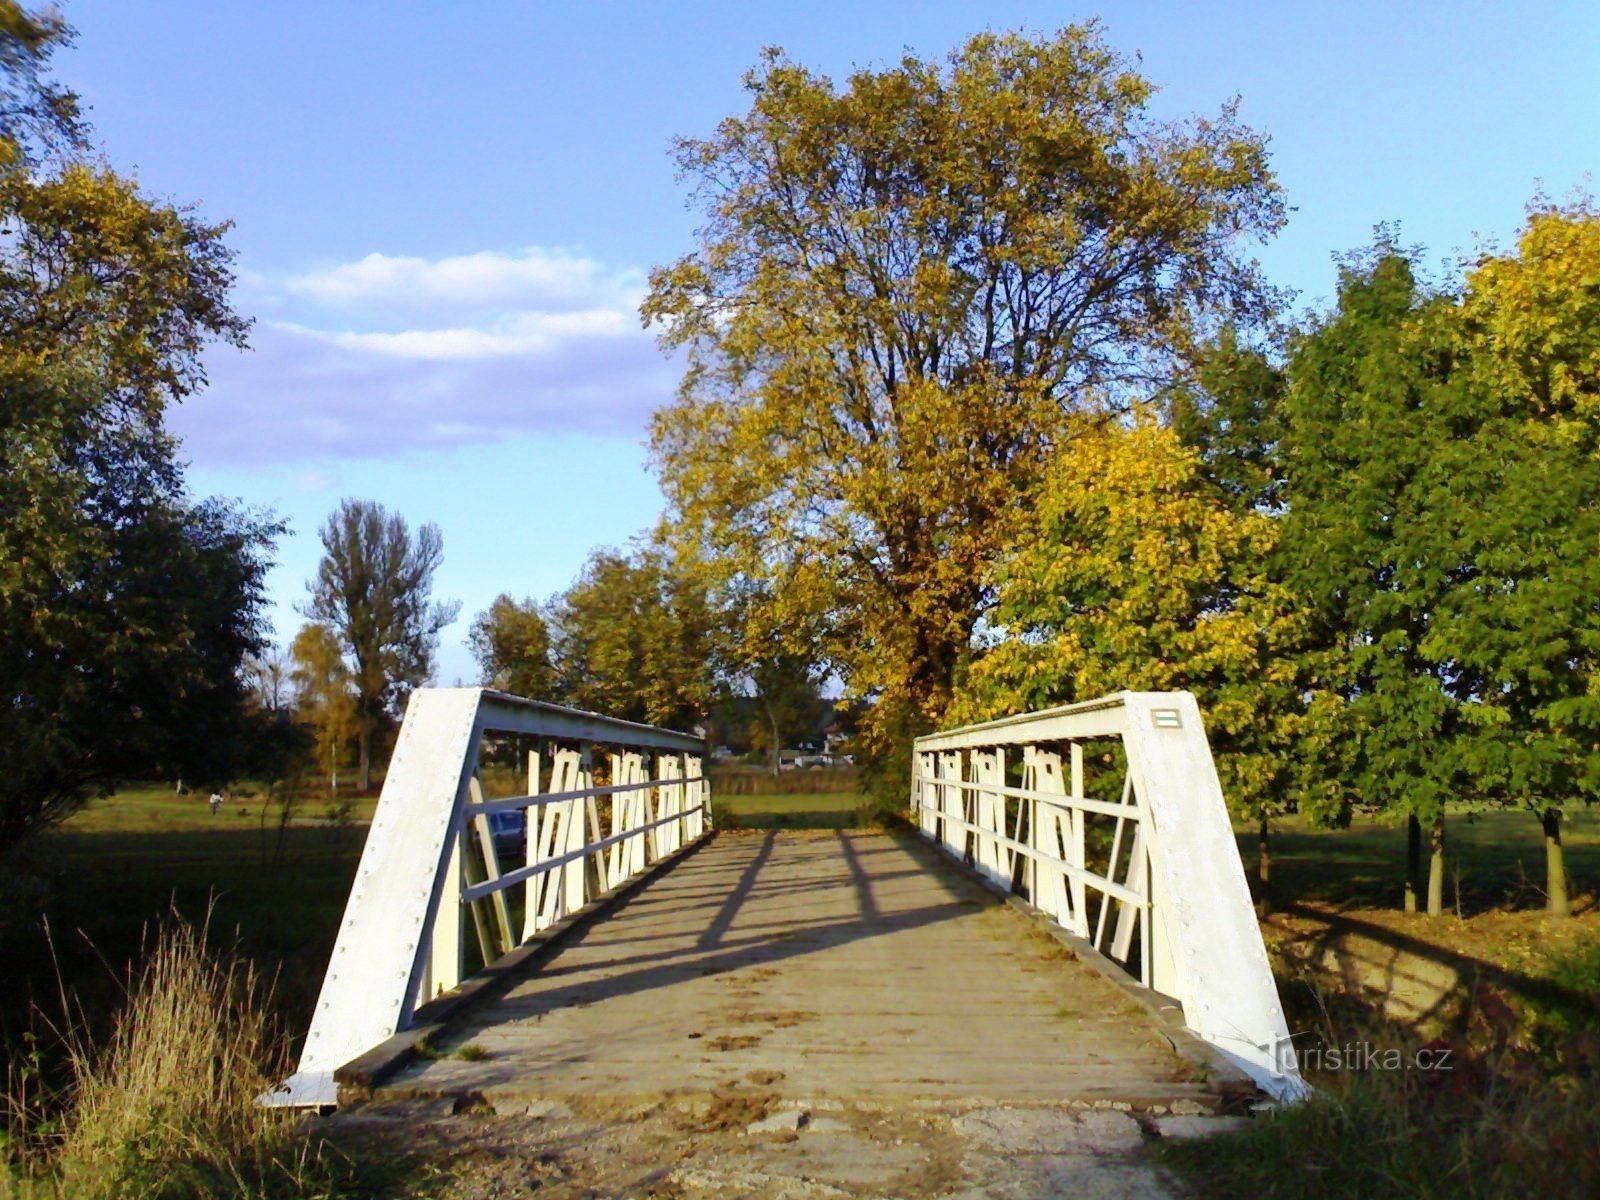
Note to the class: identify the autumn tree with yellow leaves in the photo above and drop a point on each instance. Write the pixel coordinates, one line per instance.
(325, 697)
(907, 291)
(1136, 571)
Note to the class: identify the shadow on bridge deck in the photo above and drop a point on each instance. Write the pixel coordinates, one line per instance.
(820, 966)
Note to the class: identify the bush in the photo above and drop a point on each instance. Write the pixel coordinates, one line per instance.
(1486, 1130)
(166, 1106)
(1511, 1115)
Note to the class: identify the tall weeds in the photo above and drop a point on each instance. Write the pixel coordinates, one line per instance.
(1501, 1107)
(165, 1107)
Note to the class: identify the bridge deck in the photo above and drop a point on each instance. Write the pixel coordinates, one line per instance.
(822, 966)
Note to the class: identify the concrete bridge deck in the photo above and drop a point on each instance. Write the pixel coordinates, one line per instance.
(819, 966)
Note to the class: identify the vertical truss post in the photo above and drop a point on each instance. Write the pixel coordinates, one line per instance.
(533, 852)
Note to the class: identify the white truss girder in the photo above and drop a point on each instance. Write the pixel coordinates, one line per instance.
(1171, 898)
(430, 863)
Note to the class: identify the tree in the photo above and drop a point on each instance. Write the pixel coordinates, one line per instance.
(1371, 456)
(788, 700)
(126, 607)
(1517, 516)
(37, 115)
(324, 696)
(512, 645)
(1138, 571)
(631, 638)
(124, 628)
(268, 674)
(904, 289)
(373, 588)
(1231, 414)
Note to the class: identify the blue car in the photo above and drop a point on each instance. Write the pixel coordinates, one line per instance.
(509, 831)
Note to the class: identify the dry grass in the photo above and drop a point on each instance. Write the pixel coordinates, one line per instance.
(1500, 1107)
(166, 1105)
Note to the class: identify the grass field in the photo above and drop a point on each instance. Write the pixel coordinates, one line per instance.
(115, 869)
(111, 873)
(161, 809)
(800, 810)
(276, 891)
(1494, 860)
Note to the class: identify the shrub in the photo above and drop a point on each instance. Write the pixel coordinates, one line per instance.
(167, 1106)
(1486, 1130)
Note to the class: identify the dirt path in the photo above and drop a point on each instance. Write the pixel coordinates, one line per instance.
(737, 1144)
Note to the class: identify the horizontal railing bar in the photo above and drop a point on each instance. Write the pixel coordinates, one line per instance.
(502, 712)
(1129, 812)
(1087, 719)
(1099, 882)
(505, 803)
(479, 890)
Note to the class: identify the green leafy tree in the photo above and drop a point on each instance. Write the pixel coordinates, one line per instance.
(374, 588)
(1443, 474)
(632, 638)
(512, 645)
(788, 701)
(127, 609)
(1231, 413)
(905, 287)
(1516, 504)
(1369, 456)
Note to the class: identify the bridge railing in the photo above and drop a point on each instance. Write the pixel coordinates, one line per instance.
(1108, 817)
(602, 801)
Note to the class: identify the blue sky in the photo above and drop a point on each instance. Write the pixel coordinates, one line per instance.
(445, 212)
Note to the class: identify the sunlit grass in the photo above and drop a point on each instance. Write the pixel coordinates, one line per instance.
(165, 1104)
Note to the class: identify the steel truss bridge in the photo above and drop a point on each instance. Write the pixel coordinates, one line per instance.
(606, 938)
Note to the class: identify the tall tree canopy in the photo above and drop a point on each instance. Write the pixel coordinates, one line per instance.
(512, 645)
(1442, 481)
(1518, 519)
(1368, 457)
(374, 588)
(631, 638)
(126, 608)
(904, 288)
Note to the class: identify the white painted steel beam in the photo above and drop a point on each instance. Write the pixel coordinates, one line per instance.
(506, 713)
(1174, 880)
(1089, 719)
(400, 940)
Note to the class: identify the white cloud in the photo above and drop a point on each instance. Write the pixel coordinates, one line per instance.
(522, 333)
(408, 353)
(537, 279)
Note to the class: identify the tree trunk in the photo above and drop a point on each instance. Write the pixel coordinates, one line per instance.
(366, 758)
(1436, 869)
(1264, 865)
(1413, 861)
(1555, 866)
(772, 720)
